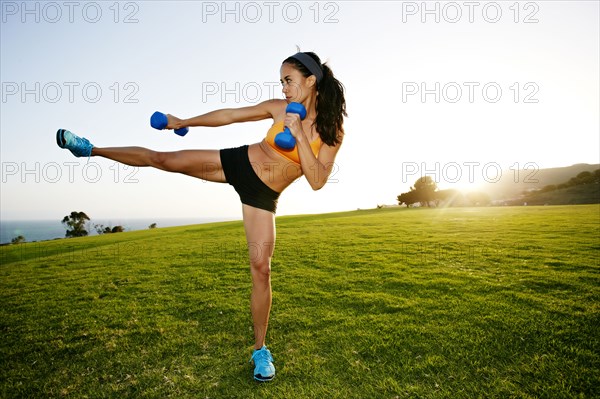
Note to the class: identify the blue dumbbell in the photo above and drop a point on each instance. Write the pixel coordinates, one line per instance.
(158, 120)
(285, 140)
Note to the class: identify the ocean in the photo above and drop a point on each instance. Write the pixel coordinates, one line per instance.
(40, 230)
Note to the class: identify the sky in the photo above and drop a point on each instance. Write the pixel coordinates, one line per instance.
(460, 91)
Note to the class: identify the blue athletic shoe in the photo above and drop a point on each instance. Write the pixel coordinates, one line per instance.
(79, 146)
(263, 365)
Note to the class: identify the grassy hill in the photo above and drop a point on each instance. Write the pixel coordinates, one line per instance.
(514, 182)
(582, 194)
(390, 303)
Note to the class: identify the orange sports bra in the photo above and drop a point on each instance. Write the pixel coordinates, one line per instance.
(292, 154)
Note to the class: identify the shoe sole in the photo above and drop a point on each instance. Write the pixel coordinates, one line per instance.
(60, 138)
(261, 379)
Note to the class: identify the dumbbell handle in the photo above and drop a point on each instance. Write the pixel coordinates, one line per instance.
(159, 121)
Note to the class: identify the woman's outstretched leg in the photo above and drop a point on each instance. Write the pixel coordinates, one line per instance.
(260, 234)
(132, 156)
(203, 164)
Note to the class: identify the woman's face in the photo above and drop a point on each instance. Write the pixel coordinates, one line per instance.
(295, 87)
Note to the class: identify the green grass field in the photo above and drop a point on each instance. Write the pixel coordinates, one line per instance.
(388, 303)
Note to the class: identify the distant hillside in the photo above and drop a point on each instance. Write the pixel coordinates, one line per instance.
(584, 194)
(514, 183)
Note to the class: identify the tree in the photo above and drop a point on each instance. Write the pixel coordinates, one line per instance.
(100, 229)
(75, 224)
(425, 190)
(408, 198)
(18, 240)
(152, 226)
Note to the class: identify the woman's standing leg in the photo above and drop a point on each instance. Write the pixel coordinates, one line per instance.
(260, 235)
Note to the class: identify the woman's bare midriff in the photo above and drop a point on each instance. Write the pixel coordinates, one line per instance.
(272, 168)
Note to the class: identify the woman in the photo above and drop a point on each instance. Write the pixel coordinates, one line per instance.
(259, 172)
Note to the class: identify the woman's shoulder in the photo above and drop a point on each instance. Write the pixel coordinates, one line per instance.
(276, 107)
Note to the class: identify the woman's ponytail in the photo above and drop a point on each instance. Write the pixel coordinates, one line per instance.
(331, 107)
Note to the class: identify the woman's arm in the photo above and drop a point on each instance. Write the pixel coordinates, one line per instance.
(226, 116)
(315, 170)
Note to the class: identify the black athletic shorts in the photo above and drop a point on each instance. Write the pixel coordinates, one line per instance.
(240, 174)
